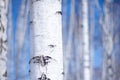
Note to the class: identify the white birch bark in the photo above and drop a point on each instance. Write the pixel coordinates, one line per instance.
(3, 39)
(46, 58)
(86, 52)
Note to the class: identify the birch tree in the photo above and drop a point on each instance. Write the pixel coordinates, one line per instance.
(86, 52)
(78, 48)
(107, 37)
(46, 58)
(116, 38)
(21, 49)
(69, 54)
(3, 39)
(91, 35)
(65, 32)
(10, 55)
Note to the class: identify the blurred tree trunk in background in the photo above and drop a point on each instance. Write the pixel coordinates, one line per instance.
(107, 37)
(10, 55)
(21, 42)
(91, 35)
(86, 51)
(65, 35)
(116, 37)
(75, 50)
(69, 54)
(46, 58)
(3, 39)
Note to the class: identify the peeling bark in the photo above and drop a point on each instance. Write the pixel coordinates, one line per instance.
(3, 38)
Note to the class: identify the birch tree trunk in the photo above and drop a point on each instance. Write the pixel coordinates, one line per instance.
(80, 47)
(116, 38)
(91, 35)
(10, 55)
(21, 41)
(86, 52)
(65, 32)
(3, 39)
(108, 42)
(69, 55)
(46, 58)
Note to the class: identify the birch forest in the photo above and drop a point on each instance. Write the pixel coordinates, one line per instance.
(59, 39)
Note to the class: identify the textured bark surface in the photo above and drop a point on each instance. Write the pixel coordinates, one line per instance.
(46, 59)
(86, 52)
(3, 39)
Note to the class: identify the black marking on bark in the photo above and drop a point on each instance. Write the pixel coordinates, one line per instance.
(1, 45)
(35, 1)
(5, 74)
(31, 22)
(44, 77)
(51, 46)
(2, 27)
(2, 59)
(81, 26)
(109, 67)
(42, 60)
(37, 35)
(109, 57)
(63, 73)
(59, 12)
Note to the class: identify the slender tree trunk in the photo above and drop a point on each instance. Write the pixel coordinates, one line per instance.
(69, 60)
(86, 52)
(3, 39)
(21, 31)
(78, 49)
(81, 41)
(108, 42)
(91, 35)
(10, 55)
(65, 33)
(46, 58)
(116, 38)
